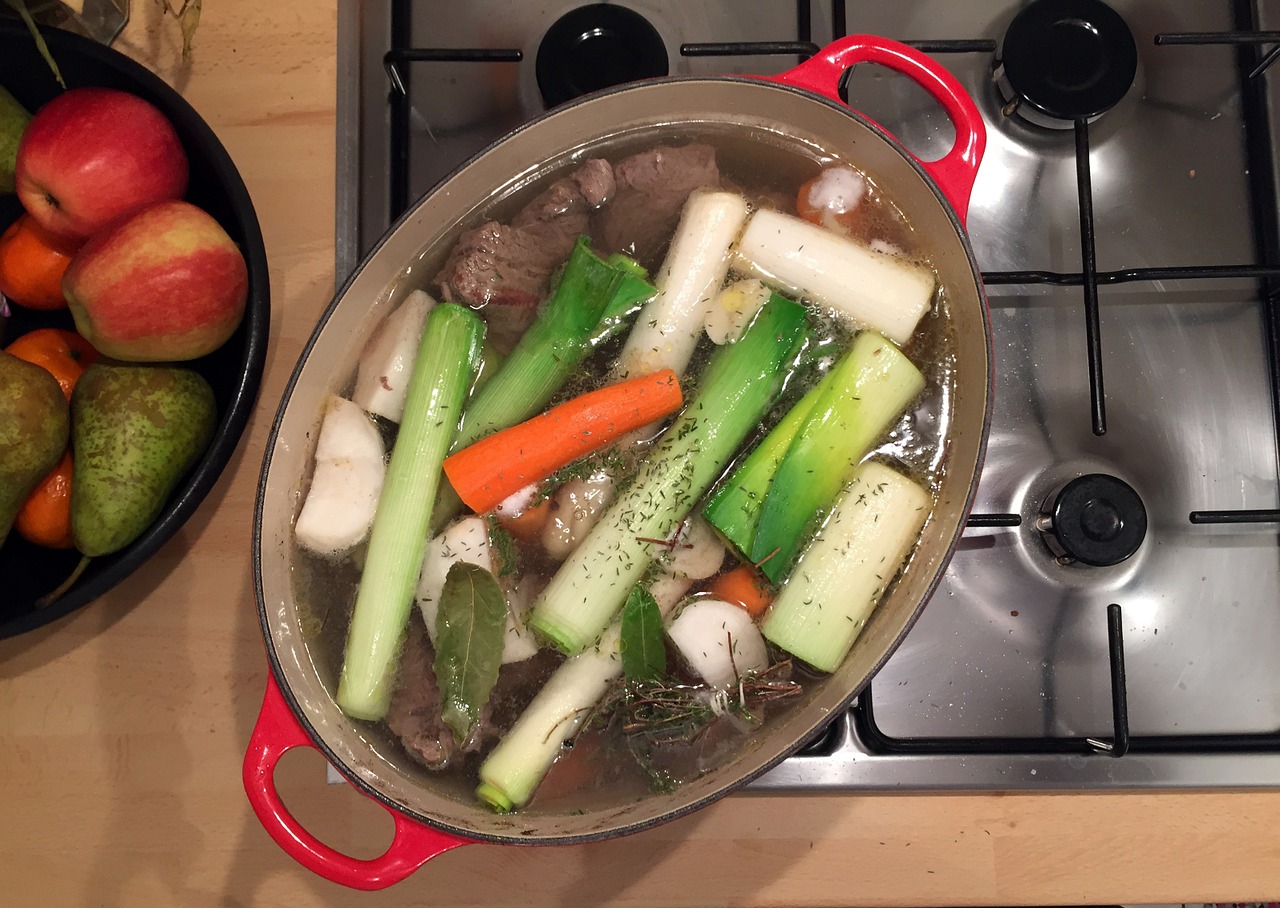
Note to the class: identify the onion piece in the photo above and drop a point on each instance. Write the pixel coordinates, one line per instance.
(576, 506)
(695, 552)
(734, 308)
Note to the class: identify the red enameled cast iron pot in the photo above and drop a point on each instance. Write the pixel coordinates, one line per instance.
(798, 110)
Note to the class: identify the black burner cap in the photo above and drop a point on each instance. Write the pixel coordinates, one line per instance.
(1098, 520)
(1069, 59)
(594, 47)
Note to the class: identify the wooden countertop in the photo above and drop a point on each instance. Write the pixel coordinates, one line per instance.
(125, 726)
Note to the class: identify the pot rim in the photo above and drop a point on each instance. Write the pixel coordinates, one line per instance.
(744, 778)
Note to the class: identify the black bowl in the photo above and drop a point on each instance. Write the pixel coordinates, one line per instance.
(28, 572)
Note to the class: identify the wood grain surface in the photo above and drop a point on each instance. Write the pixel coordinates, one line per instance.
(125, 726)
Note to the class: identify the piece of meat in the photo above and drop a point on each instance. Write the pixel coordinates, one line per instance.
(504, 270)
(652, 187)
(414, 714)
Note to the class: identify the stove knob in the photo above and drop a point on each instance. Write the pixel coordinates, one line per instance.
(1095, 519)
(1067, 60)
(594, 47)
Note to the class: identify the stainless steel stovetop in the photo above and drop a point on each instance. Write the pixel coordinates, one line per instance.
(1026, 671)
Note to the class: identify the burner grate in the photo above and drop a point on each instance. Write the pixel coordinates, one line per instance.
(1262, 178)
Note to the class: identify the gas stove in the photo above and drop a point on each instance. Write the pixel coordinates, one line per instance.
(1112, 615)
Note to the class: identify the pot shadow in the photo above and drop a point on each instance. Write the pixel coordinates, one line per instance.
(52, 642)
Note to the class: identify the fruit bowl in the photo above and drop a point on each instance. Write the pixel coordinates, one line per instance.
(28, 572)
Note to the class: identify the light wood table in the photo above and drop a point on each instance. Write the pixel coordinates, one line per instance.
(124, 726)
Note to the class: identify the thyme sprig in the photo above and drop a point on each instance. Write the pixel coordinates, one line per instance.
(669, 713)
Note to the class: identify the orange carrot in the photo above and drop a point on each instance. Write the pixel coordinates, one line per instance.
(527, 525)
(743, 586)
(486, 472)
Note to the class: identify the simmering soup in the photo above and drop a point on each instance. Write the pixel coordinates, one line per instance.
(629, 469)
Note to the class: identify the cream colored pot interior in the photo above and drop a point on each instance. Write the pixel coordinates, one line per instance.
(760, 119)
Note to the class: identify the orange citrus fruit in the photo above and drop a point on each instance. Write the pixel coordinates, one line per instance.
(31, 265)
(64, 354)
(45, 517)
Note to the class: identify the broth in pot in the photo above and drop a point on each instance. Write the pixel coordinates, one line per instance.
(666, 723)
(646, 732)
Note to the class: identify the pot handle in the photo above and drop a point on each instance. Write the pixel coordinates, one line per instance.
(277, 732)
(955, 172)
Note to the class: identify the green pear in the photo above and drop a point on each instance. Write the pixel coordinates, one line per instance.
(13, 120)
(34, 425)
(135, 432)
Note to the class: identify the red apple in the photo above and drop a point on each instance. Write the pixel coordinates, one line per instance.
(92, 155)
(163, 284)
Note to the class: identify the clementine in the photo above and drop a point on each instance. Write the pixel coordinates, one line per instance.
(31, 265)
(64, 354)
(45, 517)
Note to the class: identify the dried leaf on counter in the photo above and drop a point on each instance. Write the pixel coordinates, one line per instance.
(188, 16)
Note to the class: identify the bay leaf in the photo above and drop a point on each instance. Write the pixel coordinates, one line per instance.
(644, 652)
(470, 628)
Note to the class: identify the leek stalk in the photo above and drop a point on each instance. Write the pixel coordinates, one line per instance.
(842, 575)
(735, 391)
(590, 302)
(442, 373)
(870, 389)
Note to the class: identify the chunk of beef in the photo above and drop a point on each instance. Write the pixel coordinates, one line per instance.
(652, 187)
(504, 270)
(414, 714)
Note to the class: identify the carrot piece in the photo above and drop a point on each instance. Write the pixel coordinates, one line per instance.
(743, 586)
(834, 200)
(527, 525)
(485, 473)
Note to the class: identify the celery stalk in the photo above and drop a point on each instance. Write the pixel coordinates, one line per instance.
(735, 390)
(870, 389)
(841, 576)
(442, 373)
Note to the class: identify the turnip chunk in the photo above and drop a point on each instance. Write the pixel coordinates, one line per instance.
(872, 289)
(696, 552)
(719, 641)
(350, 469)
(382, 376)
(733, 309)
(668, 327)
(466, 541)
